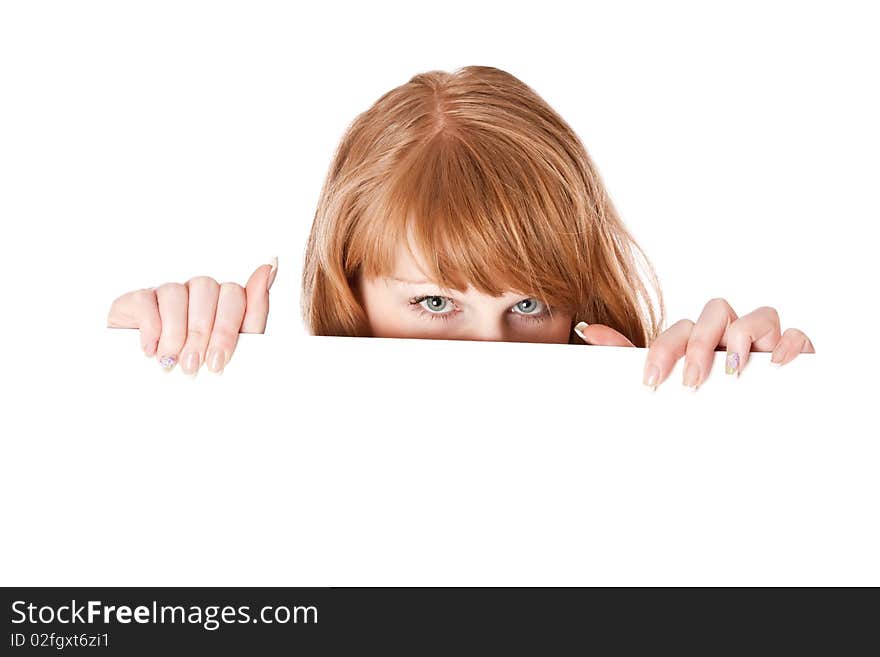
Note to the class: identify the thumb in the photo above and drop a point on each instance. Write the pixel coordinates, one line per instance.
(601, 335)
(257, 304)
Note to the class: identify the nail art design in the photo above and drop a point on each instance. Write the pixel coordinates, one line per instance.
(732, 365)
(167, 362)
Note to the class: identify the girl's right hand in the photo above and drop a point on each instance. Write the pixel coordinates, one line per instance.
(198, 321)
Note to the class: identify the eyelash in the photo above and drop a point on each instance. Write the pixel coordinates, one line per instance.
(416, 303)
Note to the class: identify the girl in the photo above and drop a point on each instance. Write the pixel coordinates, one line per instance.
(461, 206)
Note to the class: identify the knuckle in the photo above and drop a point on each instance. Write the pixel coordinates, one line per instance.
(222, 336)
(741, 333)
(173, 331)
(231, 288)
(718, 305)
(699, 343)
(196, 334)
(205, 282)
(171, 289)
(718, 301)
(770, 310)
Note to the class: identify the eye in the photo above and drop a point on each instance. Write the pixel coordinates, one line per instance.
(527, 307)
(531, 310)
(433, 305)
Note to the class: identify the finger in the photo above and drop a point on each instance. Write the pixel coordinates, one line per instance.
(227, 323)
(759, 330)
(172, 298)
(257, 305)
(601, 336)
(203, 293)
(665, 351)
(792, 343)
(705, 336)
(138, 309)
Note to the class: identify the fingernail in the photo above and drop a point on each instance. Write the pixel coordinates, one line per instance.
(216, 360)
(190, 362)
(777, 358)
(691, 376)
(579, 329)
(149, 349)
(167, 362)
(272, 273)
(652, 375)
(732, 364)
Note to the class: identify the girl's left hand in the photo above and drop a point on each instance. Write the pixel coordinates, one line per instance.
(718, 325)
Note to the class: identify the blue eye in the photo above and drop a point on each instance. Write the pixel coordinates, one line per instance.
(528, 307)
(432, 306)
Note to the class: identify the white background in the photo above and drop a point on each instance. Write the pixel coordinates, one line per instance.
(145, 143)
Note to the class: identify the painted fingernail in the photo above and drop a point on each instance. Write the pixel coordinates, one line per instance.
(652, 376)
(190, 362)
(732, 365)
(579, 329)
(216, 360)
(691, 376)
(272, 273)
(167, 362)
